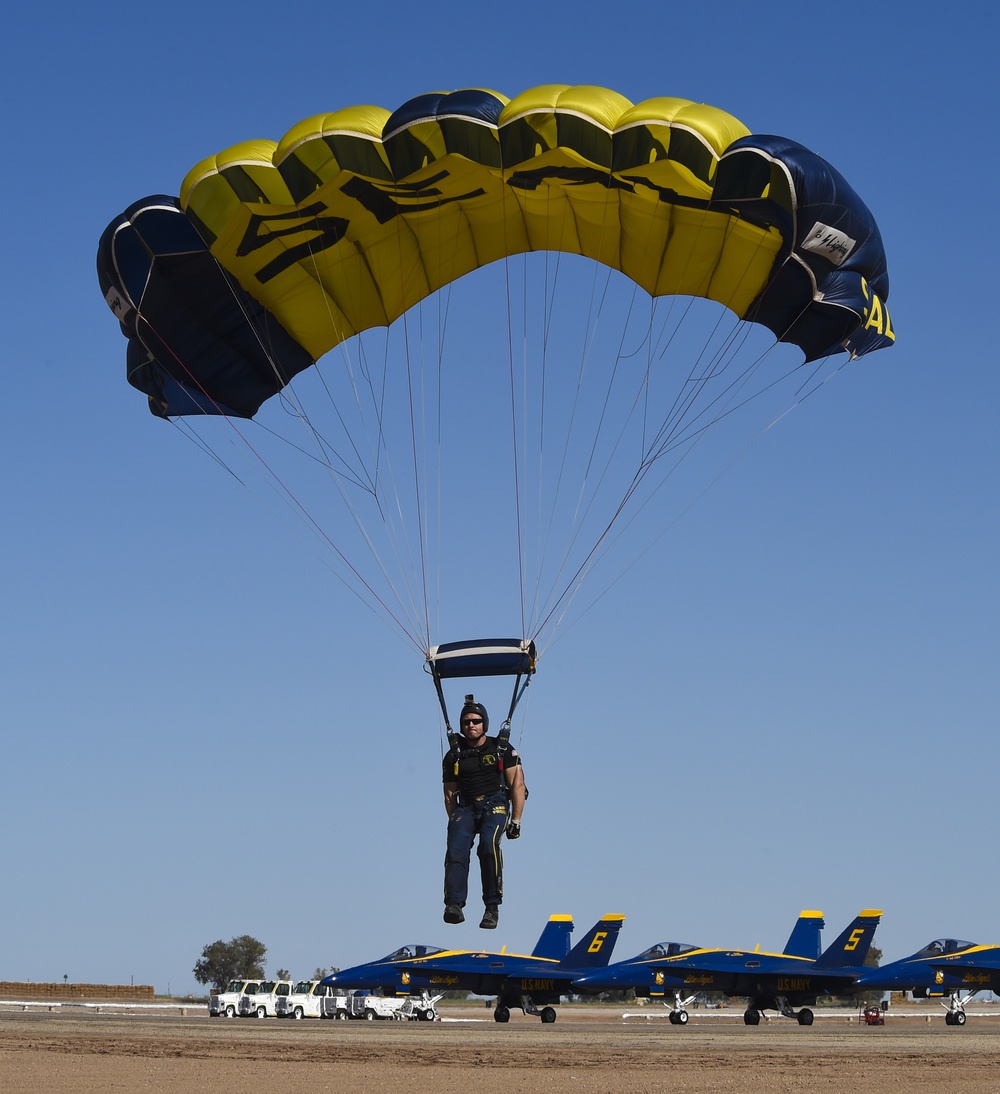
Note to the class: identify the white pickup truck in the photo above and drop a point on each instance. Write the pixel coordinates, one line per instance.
(263, 1002)
(227, 1003)
(307, 999)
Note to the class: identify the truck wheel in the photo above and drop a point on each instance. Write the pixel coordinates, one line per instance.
(262, 1012)
(342, 1015)
(298, 1014)
(369, 1016)
(230, 1011)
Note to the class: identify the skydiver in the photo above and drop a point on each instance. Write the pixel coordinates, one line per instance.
(483, 795)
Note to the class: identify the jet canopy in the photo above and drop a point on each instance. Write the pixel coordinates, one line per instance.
(408, 953)
(942, 946)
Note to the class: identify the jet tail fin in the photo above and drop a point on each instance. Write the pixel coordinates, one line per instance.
(851, 948)
(554, 941)
(594, 950)
(804, 941)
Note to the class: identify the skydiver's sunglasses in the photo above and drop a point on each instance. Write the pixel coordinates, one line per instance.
(472, 721)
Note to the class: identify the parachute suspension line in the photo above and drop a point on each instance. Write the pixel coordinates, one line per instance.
(640, 400)
(691, 439)
(394, 531)
(443, 310)
(585, 504)
(413, 472)
(518, 518)
(676, 428)
(799, 399)
(586, 348)
(374, 492)
(550, 284)
(185, 430)
(422, 545)
(700, 375)
(668, 437)
(367, 480)
(282, 489)
(518, 461)
(377, 478)
(324, 459)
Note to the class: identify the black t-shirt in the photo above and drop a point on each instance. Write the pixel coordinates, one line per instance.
(479, 770)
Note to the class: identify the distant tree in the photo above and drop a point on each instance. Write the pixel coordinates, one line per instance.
(283, 974)
(320, 973)
(239, 958)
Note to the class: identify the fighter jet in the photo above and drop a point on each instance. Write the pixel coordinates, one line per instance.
(635, 973)
(528, 981)
(946, 966)
(769, 981)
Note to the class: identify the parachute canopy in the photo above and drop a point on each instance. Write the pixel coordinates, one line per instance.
(355, 216)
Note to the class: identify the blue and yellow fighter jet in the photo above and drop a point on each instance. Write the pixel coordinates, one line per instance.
(635, 973)
(946, 966)
(528, 981)
(768, 981)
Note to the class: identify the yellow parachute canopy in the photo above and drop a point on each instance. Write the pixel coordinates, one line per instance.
(355, 216)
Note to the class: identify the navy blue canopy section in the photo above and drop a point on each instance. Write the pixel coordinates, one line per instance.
(833, 268)
(482, 657)
(198, 343)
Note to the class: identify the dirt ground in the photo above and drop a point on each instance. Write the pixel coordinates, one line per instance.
(589, 1050)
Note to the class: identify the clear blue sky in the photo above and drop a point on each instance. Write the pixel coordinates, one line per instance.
(790, 702)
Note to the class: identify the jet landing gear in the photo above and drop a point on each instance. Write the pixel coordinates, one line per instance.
(547, 1014)
(678, 1015)
(804, 1017)
(955, 1013)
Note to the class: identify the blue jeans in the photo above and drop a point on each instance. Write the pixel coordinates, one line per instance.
(487, 819)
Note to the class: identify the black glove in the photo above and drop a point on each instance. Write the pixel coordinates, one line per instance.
(513, 829)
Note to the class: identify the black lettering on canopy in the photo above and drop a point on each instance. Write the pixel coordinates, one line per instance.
(321, 232)
(388, 200)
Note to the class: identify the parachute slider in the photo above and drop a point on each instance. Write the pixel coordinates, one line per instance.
(482, 657)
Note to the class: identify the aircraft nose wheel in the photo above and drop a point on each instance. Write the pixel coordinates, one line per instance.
(751, 1017)
(548, 1015)
(805, 1017)
(501, 1014)
(679, 1017)
(955, 1018)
